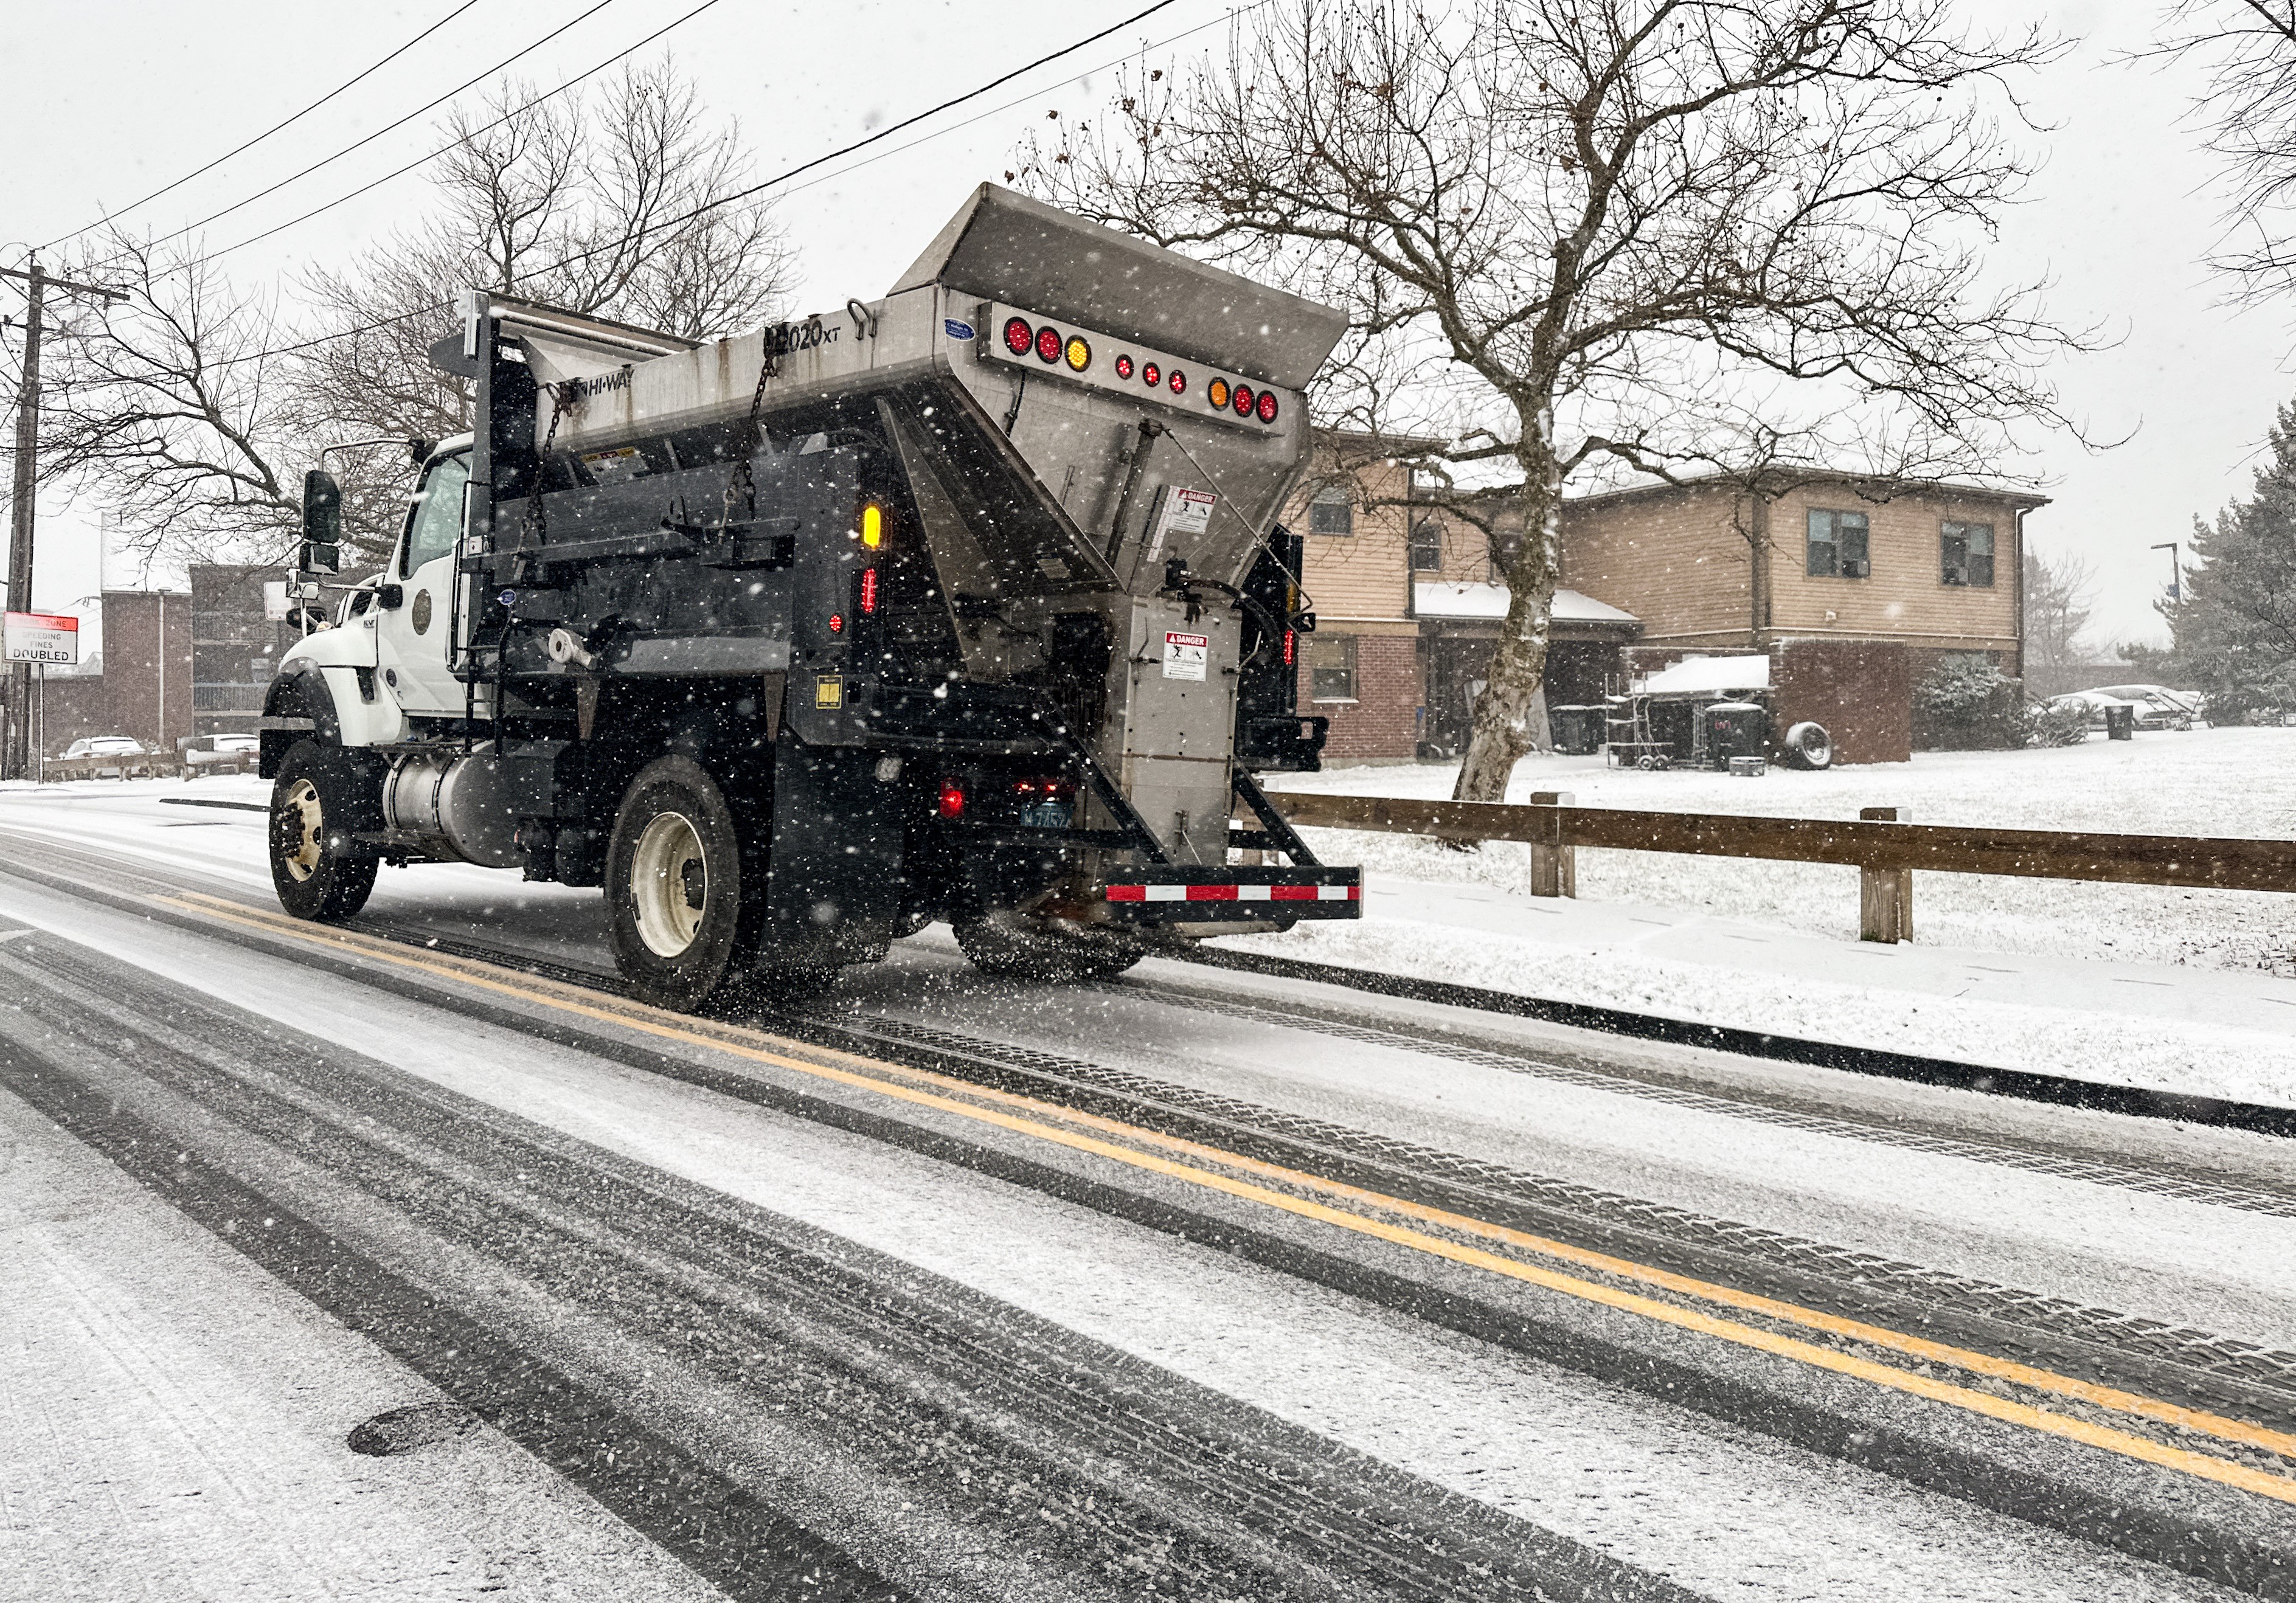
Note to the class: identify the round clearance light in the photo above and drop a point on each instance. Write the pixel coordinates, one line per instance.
(1243, 400)
(1078, 353)
(1216, 392)
(1152, 375)
(1124, 366)
(1018, 337)
(1178, 381)
(1048, 344)
(1267, 406)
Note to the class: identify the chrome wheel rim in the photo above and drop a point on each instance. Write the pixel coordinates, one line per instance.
(304, 838)
(670, 884)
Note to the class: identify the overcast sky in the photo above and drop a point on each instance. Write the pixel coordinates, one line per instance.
(112, 100)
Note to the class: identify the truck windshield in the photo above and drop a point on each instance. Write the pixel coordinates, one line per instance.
(438, 517)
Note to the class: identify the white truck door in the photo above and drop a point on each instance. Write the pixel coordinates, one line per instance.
(414, 640)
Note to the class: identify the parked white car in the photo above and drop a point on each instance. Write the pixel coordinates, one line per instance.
(2096, 704)
(2177, 708)
(104, 746)
(207, 750)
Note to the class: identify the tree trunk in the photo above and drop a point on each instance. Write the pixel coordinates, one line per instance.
(1502, 730)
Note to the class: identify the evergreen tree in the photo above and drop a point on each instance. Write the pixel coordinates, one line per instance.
(2235, 627)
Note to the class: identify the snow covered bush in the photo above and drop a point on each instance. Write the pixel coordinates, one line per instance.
(1967, 704)
(2048, 725)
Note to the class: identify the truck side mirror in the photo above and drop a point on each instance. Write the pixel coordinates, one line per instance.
(323, 523)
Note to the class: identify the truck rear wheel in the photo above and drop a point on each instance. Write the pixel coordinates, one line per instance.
(322, 794)
(1020, 947)
(673, 886)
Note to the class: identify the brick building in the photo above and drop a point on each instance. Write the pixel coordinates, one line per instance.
(1856, 589)
(175, 665)
(1408, 611)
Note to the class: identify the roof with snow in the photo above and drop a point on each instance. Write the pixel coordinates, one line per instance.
(1709, 675)
(1442, 598)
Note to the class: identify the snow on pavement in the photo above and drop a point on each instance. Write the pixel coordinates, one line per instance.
(174, 1423)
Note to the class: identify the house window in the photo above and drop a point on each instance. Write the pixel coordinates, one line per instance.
(1427, 546)
(1332, 667)
(1837, 545)
(1332, 511)
(1965, 553)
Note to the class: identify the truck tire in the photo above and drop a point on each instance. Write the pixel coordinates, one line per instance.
(1016, 946)
(322, 794)
(1808, 746)
(675, 888)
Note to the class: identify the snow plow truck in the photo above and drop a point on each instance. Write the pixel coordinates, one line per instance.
(968, 603)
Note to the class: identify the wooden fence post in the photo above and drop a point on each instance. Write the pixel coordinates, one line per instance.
(1554, 866)
(1885, 895)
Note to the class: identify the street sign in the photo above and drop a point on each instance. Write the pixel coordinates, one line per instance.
(42, 637)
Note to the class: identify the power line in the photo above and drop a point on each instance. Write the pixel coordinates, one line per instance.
(268, 132)
(741, 194)
(356, 144)
(442, 150)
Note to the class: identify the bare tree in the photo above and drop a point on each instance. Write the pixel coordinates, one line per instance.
(170, 412)
(2057, 597)
(1588, 239)
(2248, 48)
(595, 203)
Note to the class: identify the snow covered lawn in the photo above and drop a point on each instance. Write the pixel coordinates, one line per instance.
(2186, 991)
(2209, 781)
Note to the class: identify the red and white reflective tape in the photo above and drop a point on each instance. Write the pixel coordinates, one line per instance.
(1235, 893)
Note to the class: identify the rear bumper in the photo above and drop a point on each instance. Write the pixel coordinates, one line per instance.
(1209, 896)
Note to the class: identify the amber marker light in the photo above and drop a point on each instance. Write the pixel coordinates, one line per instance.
(1078, 353)
(872, 525)
(1216, 392)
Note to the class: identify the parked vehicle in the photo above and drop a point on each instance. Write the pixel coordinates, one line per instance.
(967, 603)
(2177, 709)
(2148, 714)
(94, 747)
(211, 751)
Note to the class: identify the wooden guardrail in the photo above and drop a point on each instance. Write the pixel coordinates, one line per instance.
(1881, 843)
(147, 765)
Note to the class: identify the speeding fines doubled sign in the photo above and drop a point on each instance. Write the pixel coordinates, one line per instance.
(42, 637)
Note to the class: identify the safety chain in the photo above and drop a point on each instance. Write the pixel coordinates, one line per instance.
(563, 396)
(742, 489)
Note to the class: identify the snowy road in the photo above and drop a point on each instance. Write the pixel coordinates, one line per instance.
(1195, 1284)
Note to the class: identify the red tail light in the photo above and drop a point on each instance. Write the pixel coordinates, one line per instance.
(1291, 648)
(952, 800)
(868, 591)
(837, 623)
(1179, 382)
(1124, 367)
(1152, 375)
(1019, 336)
(1267, 406)
(1048, 344)
(1243, 400)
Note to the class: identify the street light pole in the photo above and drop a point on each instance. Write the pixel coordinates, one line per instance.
(2176, 570)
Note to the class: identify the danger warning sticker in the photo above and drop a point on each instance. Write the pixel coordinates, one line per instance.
(1184, 655)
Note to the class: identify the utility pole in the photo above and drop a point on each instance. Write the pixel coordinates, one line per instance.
(15, 755)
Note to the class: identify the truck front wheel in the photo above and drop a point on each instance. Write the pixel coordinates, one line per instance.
(673, 886)
(322, 796)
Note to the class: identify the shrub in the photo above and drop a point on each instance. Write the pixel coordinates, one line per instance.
(2047, 725)
(1967, 704)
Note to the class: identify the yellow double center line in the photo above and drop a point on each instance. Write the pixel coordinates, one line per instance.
(1161, 1154)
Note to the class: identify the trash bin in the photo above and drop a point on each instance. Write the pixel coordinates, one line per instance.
(2121, 722)
(1579, 730)
(1735, 729)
